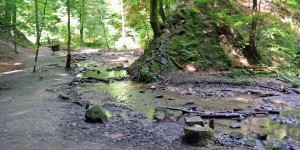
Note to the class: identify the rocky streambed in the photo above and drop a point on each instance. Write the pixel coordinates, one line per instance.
(134, 119)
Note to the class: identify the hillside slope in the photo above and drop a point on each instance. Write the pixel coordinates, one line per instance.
(212, 35)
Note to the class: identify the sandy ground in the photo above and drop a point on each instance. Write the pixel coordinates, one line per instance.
(30, 116)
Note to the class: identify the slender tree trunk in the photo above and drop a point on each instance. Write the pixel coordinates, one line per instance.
(7, 16)
(154, 18)
(104, 31)
(162, 11)
(252, 49)
(37, 28)
(68, 64)
(14, 19)
(81, 17)
(123, 20)
(43, 19)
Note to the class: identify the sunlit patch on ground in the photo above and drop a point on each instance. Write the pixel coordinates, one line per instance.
(9, 68)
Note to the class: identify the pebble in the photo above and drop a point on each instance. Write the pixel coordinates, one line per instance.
(235, 126)
(159, 96)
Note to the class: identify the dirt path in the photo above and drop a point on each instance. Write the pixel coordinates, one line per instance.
(29, 120)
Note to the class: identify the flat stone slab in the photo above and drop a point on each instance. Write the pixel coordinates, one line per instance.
(195, 120)
(235, 126)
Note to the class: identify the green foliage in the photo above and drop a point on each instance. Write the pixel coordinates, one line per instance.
(279, 40)
(145, 74)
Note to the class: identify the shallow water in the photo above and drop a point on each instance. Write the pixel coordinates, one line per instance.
(252, 125)
(128, 92)
(99, 70)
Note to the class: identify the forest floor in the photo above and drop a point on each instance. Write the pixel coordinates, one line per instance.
(39, 110)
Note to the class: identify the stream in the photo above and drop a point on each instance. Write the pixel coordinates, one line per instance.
(139, 97)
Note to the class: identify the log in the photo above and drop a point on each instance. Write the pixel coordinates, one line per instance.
(97, 79)
(220, 115)
(206, 115)
(237, 113)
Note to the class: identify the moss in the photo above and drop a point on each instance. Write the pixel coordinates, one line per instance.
(96, 114)
(199, 136)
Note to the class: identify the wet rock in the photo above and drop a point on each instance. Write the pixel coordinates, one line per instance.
(236, 135)
(96, 114)
(159, 96)
(190, 121)
(199, 136)
(235, 126)
(171, 98)
(64, 96)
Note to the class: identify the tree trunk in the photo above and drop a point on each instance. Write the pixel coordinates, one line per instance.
(7, 16)
(37, 28)
(162, 11)
(252, 49)
(14, 19)
(81, 17)
(68, 64)
(123, 21)
(154, 18)
(104, 31)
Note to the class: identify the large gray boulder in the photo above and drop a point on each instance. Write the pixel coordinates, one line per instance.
(96, 114)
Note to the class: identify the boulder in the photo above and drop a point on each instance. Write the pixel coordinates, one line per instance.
(199, 136)
(96, 114)
(165, 113)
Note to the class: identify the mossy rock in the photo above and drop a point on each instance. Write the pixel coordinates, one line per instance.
(198, 136)
(96, 114)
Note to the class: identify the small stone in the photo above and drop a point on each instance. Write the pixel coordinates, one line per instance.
(171, 98)
(195, 120)
(73, 124)
(64, 96)
(152, 87)
(142, 91)
(235, 126)
(4, 88)
(159, 96)
(188, 103)
(199, 136)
